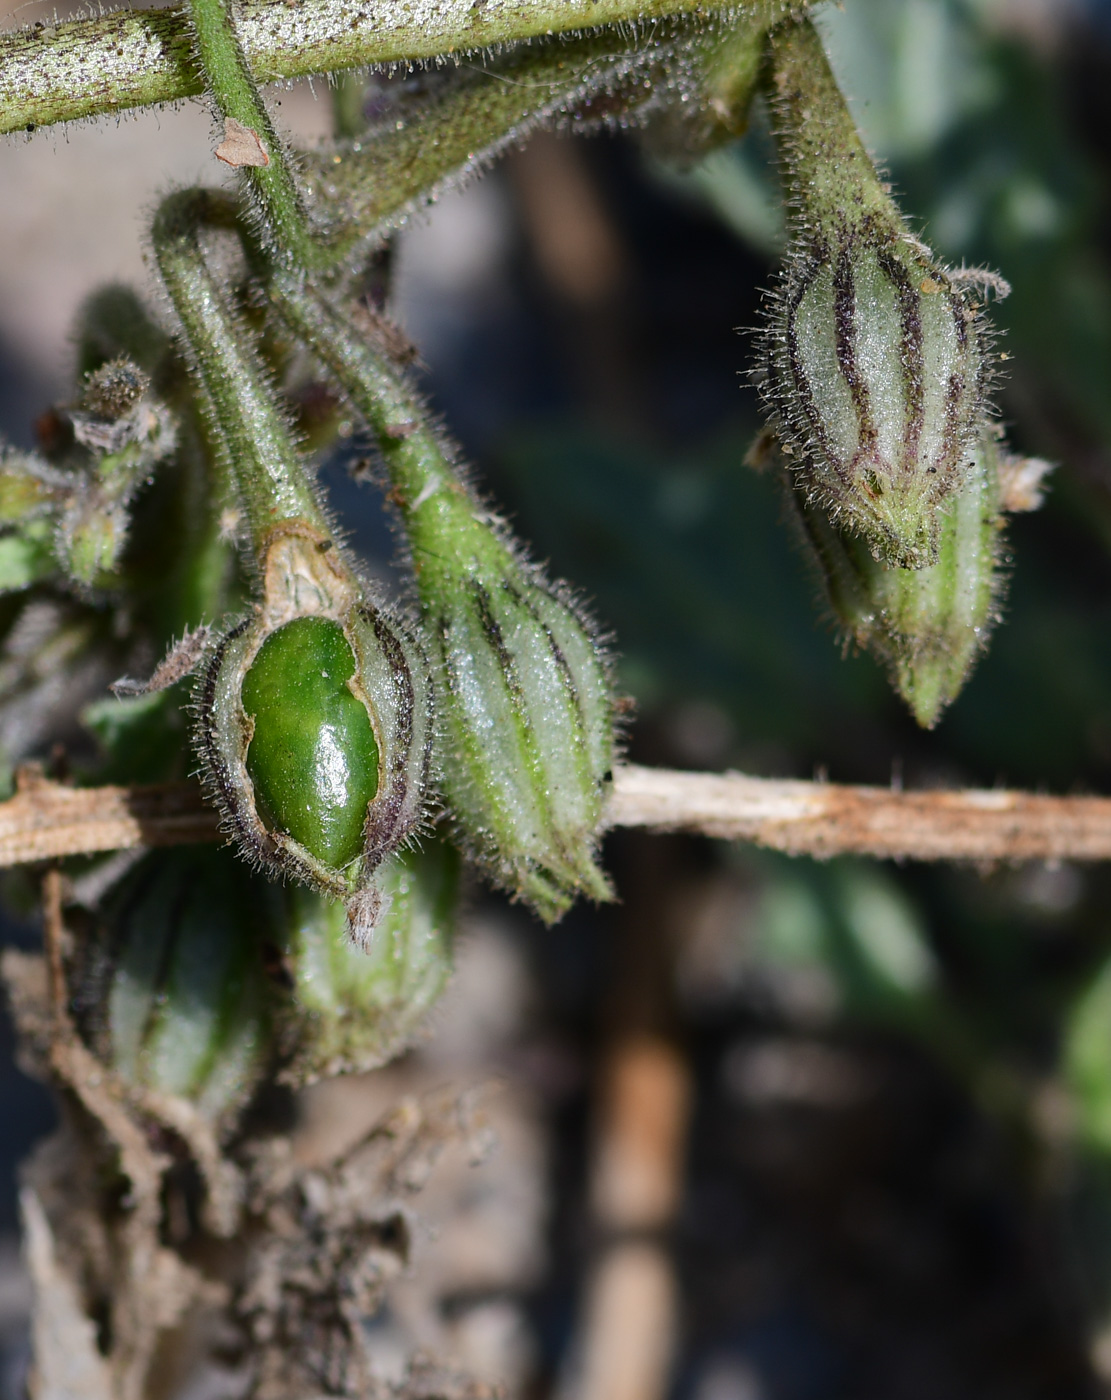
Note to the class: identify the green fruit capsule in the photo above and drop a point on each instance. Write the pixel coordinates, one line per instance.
(313, 758)
(174, 994)
(526, 716)
(926, 626)
(315, 727)
(875, 358)
(350, 1011)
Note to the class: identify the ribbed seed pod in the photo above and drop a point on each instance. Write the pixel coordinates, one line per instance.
(525, 716)
(176, 999)
(927, 626)
(875, 359)
(315, 728)
(524, 699)
(352, 1011)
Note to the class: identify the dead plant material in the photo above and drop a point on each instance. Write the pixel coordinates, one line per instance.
(828, 819)
(117, 1236)
(241, 146)
(45, 820)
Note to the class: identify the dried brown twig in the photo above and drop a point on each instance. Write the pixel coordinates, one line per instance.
(45, 820)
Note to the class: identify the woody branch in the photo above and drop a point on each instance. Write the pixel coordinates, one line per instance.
(46, 820)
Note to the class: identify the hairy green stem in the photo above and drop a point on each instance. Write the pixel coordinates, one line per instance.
(232, 89)
(829, 176)
(134, 58)
(708, 68)
(253, 431)
(418, 465)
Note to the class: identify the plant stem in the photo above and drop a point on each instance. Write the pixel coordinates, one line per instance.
(828, 175)
(417, 459)
(45, 821)
(372, 181)
(233, 91)
(134, 58)
(253, 431)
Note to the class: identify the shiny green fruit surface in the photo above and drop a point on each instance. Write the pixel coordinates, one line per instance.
(313, 758)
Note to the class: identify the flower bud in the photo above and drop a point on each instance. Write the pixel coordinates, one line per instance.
(927, 626)
(315, 726)
(126, 434)
(875, 359)
(29, 488)
(175, 995)
(31, 493)
(352, 1011)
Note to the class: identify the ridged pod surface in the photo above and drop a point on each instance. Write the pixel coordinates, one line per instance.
(525, 720)
(350, 1011)
(874, 374)
(176, 997)
(927, 626)
(875, 359)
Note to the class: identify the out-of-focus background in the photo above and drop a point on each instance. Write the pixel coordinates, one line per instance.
(878, 1098)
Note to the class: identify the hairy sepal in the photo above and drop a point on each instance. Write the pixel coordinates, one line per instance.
(875, 360)
(927, 626)
(391, 679)
(350, 1011)
(174, 996)
(526, 734)
(874, 371)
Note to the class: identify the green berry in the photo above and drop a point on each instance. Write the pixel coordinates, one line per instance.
(316, 735)
(313, 758)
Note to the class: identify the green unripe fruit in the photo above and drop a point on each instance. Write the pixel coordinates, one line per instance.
(526, 714)
(874, 381)
(926, 626)
(876, 359)
(175, 995)
(312, 758)
(315, 726)
(351, 1011)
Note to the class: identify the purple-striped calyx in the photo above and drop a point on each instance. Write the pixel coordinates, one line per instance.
(876, 360)
(927, 627)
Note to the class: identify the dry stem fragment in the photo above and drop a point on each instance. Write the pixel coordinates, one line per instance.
(241, 146)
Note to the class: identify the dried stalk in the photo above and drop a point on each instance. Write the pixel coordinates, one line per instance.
(45, 820)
